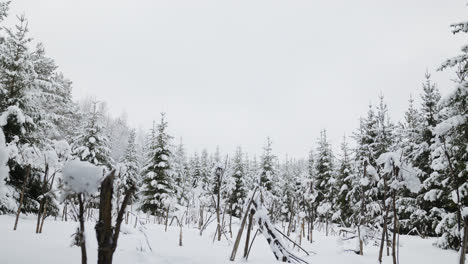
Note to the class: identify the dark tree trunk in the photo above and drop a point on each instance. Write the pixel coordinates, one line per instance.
(395, 224)
(241, 228)
(104, 225)
(82, 241)
(384, 230)
(107, 236)
(20, 205)
(465, 242)
(43, 199)
(247, 239)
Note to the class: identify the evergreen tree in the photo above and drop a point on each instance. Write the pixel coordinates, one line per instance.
(344, 185)
(267, 169)
(325, 178)
(450, 152)
(429, 200)
(157, 179)
(17, 79)
(181, 175)
(130, 172)
(239, 192)
(195, 170)
(91, 144)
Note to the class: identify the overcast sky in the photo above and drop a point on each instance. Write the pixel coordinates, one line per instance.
(232, 73)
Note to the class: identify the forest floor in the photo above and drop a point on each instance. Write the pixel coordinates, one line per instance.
(151, 244)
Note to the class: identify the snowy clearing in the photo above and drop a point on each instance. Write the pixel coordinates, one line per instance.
(52, 246)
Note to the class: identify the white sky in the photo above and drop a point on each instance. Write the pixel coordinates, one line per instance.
(231, 73)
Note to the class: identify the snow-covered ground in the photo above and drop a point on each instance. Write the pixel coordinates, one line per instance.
(53, 246)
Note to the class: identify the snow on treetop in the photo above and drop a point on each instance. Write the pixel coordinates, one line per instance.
(81, 177)
(17, 112)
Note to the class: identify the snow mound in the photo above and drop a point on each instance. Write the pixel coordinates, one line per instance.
(81, 177)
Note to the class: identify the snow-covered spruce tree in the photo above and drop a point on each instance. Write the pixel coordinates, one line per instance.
(450, 158)
(238, 194)
(129, 171)
(252, 170)
(195, 170)
(364, 188)
(51, 98)
(310, 195)
(181, 175)
(92, 144)
(118, 132)
(286, 182)
(205, 171)
(17, 110)
(266, 176)
(267, 167)
(344, 184)
(157, 189)
(409, 137)
(430, 200)
(325, 180)
(17, 81)
(384, 143)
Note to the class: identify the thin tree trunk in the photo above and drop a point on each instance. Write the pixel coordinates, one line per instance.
(465, 242)
(361, 251)
(291, 215)
(44, 215)
(247, 239)
(200, 220)
(43, 199)
(241, 228)
(180, 235)
(384, 230)
(363, 208)
(388, 242)
(167, 218)
(81, 233)
(20, 205)
(230, 223)
(395, 223)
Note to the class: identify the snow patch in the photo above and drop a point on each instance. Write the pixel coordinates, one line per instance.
(81, 177)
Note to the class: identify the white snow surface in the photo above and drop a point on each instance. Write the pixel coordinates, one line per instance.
(81, 177)
(53, 247)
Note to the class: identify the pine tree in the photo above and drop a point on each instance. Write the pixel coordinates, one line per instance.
(91, 144)
(429, 200)
(267, 167)
(344, 185)
(195, 170)
(157, 179)
(364, 185)
(325, 179)
(130, 172)
(17, 79)
(181, 175)
(18, 113)
(239, 192)
(449, 152)
(409, 137)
